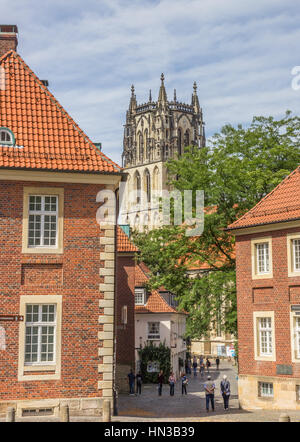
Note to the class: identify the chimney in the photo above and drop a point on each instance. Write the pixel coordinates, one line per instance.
(8, 38)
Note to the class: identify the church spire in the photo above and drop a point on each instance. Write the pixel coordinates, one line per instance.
(195, 100)
(150, 96)
(175, 98)
(132, 104)
(162, 97)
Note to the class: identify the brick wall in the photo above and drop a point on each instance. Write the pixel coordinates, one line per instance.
(274, 294)
(8, 38)
(125, 284)
(73, 274)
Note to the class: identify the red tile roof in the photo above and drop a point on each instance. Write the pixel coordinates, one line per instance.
(124, 244)
(47, 138)
(282, 204)
(155, 302)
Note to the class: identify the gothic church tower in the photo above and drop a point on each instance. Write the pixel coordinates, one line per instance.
(155, 132)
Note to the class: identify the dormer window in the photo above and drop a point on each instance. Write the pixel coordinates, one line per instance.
(140, 296)
(6, 137)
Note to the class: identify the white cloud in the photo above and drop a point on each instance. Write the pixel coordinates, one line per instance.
(241, 54)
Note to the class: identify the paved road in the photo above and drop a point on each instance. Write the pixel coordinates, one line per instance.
(149, 407)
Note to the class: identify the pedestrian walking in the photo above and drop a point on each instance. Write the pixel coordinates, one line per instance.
(131, 379)
(225, 390)
(160, 382)
(202, 368)
(172, 381)
(184, 383)
(195, 365)
(209, 388)
(139, 381)
(217, 362)
(208, 364)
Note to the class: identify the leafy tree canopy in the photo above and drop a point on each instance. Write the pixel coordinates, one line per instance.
(236, 170)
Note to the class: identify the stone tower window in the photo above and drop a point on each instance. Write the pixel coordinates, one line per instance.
(148, 185)
(186, 138)
(179, 142)
(138, 187)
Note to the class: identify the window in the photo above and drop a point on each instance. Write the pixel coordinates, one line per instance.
(265, 336)
(147, 185)
(153, 330)
(179, 142)
(296, 254)
(42, 220)
(293, 254)
(139, 296)
(40, 338)
(298, 393)
(261, 252)
(6, 137)
(295, 333)
(40, 333)
(262, 258)
(265, 389)
(124, 315)
(138, 187)
(297, 336)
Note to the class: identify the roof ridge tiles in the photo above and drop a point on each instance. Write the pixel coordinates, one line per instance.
(64, 114)
(255, 212)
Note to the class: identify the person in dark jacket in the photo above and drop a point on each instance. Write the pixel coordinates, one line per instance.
(209, 388)
(184, 382)
(225, 390)
(139, 381)
(131, 378)
(217, 362)
(160, 382)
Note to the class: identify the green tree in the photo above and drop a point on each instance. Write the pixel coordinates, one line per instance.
(236, 170)
(155, 353)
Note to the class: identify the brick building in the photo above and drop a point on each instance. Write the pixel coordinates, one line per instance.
(57, 265)
(268, 299)
(158, 320)
(124, 318)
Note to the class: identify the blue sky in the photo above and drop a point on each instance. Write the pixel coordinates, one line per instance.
(241, 54)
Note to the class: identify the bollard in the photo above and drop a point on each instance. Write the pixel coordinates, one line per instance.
(106, 412)
(64, 413)
(284, 418)
(10, 414)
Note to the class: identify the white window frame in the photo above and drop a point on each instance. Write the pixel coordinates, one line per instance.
(258, 354)
(153, 336)
(39, 324)
(265, 336)
(140, 291)
(292, 270)
(255, 247)
(44, 191)
(42, 213)
(44, 371)
(295, 335)
(266, 389)
(262, 258)
(11, 141)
